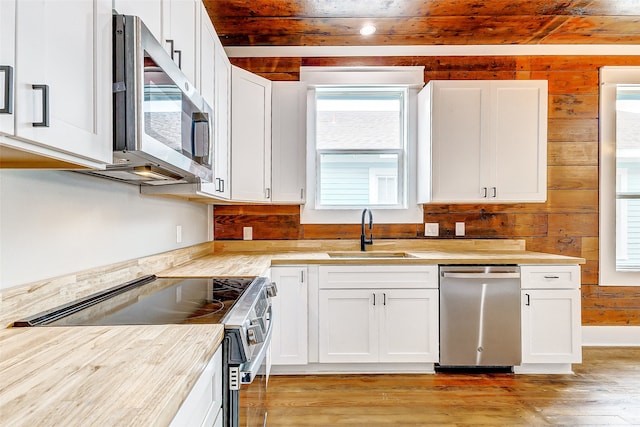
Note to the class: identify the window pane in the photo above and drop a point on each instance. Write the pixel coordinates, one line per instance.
(358, 119)
(628, 178)
(358, 179)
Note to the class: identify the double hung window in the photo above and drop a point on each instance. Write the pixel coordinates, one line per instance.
(619, 235)
(627, 177)
(360, 147)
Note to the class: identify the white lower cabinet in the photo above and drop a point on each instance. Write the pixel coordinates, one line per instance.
(203, 404)
(289, 342)
(382, 325)
(378, 314)
(551, 315)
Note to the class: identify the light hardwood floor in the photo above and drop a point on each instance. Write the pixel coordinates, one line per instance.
(605, 390)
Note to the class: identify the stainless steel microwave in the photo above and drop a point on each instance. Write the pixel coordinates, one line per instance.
(162, 127)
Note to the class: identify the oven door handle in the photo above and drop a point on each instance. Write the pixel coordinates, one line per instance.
(250, 370)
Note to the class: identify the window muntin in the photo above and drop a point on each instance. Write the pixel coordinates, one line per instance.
(360, 138)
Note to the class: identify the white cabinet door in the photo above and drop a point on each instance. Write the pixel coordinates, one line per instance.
(222, 121)
(519, 149)
(215, 87)
(288, 142)
(150, 11)
(7, 64)
(551, 329)
(250, 136)
(203, 404)
(409, 325)
(381, 325)
(458, 141)
(289, 343)
(348, 330)
(208, 37)
(483, 141)
(63, 80)
(180, 25)
(174, 23)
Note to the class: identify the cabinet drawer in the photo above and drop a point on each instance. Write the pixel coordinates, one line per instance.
(378, 276)
(550, 276)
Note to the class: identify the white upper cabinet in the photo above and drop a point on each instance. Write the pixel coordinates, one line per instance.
(250, 136)
(150, 11)
(482, 141)
(215, 87)
(174, 23)
(62, 83)
(180, 36)
(288, 141)
(7, 64)
(222, 121)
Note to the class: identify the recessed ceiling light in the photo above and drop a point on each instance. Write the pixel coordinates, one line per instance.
(367, 30)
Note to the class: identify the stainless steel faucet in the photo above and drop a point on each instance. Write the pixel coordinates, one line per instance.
(363, 239)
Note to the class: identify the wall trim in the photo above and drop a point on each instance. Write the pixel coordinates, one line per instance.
(433, 50)
(602, 336)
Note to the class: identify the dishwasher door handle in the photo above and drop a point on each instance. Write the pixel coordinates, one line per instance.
(481, 275)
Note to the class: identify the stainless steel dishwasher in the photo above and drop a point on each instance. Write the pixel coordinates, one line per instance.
(480, 316)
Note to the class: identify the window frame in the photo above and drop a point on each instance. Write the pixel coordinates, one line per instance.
(610, 78)
(410, 78)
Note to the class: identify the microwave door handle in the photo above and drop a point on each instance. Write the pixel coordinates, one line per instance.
(200, 136)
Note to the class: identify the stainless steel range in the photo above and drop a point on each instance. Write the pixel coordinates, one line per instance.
(243, 305)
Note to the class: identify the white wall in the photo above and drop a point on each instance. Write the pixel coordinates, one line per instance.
(54, 223)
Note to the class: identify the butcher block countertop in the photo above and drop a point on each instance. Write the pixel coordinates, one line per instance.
(100, 375)
(253, 258)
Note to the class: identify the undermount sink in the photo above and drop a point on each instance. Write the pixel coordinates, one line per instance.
(370, 254)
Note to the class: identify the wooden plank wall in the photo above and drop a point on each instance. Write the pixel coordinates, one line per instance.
(566, 224)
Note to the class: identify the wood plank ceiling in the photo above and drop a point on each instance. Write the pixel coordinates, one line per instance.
(424, 22)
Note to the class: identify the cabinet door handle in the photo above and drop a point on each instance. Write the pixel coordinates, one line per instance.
(45, 105)
(301, 276)
(179, 53)
(302, 194)
(551, 277)
(484, 192)
(8, 89)
(374, 299)
(222, 185)
(218, 184)
(528, 300)
(384, 299)
(170, 41)
(495, 192)
(267, 192)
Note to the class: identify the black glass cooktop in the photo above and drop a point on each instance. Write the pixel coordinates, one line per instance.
(149, 301)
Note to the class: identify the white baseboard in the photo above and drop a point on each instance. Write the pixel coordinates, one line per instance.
(624, 336)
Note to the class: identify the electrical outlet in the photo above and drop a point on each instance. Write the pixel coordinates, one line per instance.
(459, 228)
(247, 233)
(178, 234)
(431, 229)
